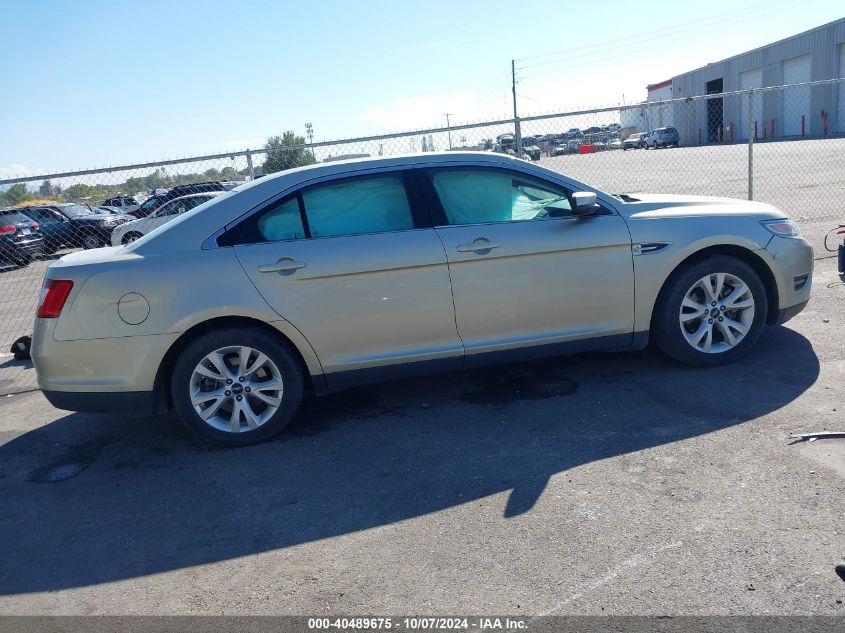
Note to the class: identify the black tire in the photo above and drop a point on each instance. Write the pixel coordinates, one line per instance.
(92, 241)
(50, 248)
(275, 348)
(666, 327)
(131, 237)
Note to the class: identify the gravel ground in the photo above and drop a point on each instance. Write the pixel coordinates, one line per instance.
(595, 484)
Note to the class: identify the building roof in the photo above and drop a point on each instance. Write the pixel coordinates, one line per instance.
(657, 86)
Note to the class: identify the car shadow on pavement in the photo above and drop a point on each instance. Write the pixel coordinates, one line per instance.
(93, 499)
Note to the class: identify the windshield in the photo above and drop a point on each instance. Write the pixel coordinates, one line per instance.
(75, 210)
(150, 203)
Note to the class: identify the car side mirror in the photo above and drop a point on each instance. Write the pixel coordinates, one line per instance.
(584, 203)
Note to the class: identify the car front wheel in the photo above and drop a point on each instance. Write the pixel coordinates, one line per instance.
(711, 312)
(236, 387)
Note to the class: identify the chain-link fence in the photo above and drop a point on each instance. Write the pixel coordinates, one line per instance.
(783, 145)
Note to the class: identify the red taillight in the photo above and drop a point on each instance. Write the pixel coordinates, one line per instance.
(7, 229)
(54, 293)
(35, 225)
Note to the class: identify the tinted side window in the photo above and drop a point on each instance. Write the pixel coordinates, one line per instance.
(477, 196)
(278, 221)
(283, 222)
(173, 208)
(361, 205)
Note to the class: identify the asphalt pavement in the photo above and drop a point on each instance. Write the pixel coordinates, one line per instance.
(595, 484)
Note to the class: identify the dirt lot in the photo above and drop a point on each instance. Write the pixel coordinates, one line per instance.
(596, 484)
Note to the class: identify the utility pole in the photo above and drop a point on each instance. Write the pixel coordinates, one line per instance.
(517, 130)
(448, 114)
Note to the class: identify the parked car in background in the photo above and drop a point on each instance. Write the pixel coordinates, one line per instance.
(130, 231)
(560, 149)
(342, 273)
(73, 225)
(155, 201)
(20, 238)
(613, 143)
(532, 152)
(123, 203)
(634, 141)
(662, 137)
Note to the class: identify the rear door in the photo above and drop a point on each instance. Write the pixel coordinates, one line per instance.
(525, 272)
(354, 264)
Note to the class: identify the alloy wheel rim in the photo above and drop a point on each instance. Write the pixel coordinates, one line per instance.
(716, 313)
(91, 242)
(236, 389)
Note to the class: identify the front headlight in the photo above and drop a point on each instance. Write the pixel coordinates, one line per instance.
(782, 228)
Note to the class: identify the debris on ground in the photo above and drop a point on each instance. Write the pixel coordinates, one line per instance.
(20, 348)
(812, 437)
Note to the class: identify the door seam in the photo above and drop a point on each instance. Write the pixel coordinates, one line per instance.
(452, 292)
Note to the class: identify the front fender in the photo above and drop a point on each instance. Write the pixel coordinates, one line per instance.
(685, 237)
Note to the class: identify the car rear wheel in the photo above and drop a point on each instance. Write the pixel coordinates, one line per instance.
(236, 387)
(131, 237)
(91, 241)
(711, 312)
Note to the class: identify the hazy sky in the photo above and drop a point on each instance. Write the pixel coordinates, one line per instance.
(88, 83)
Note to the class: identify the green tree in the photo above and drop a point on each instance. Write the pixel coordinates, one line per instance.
(281, 155)
(16, 194)
(228, 173)
(80, 191)
(212, 174)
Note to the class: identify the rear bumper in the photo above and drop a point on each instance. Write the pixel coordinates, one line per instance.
(137, 403)
(29, 248)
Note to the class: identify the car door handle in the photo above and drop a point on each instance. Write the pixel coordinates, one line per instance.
(478, 244)
(283, 265)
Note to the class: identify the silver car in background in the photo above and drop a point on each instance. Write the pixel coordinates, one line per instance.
(336, 274)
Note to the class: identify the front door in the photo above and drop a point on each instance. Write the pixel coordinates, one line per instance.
(525, 271)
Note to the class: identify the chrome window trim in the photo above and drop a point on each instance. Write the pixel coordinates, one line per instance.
(541, 173)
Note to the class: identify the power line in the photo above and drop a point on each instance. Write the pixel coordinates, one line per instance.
(649, 45)
(624, 42)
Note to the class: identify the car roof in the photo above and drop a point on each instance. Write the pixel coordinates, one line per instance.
(319, 170)
(204, 194)
(194, 227)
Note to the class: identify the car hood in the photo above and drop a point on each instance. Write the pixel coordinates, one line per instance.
(649, 206)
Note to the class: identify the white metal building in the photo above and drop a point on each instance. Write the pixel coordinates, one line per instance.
(649, 115)
(817, 54)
